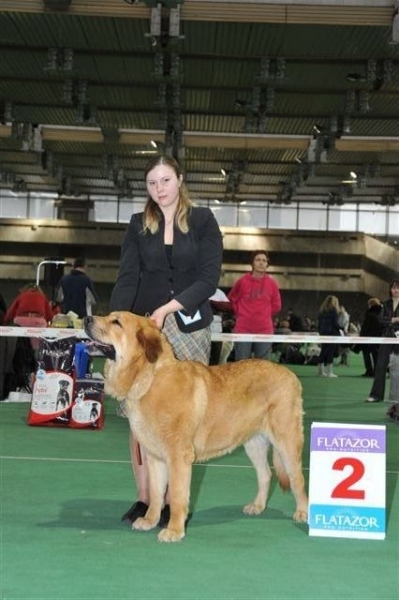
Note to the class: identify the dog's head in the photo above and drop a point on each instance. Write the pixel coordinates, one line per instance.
(118, 333)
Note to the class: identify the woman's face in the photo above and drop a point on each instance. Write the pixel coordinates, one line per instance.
(395, 290)
(163, 186)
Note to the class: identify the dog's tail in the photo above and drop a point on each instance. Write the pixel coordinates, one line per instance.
(281, 472)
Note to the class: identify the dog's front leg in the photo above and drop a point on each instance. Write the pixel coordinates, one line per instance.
(179, 496)
(158, 480)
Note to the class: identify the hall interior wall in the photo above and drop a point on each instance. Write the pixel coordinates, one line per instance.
(307, 265)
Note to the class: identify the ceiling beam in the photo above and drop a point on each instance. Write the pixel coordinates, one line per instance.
(196, 139)
(379, 14)
(364, 144)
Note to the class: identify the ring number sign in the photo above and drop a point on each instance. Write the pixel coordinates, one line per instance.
(347, 475)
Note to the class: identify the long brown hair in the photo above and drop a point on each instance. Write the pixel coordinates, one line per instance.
(152, 214)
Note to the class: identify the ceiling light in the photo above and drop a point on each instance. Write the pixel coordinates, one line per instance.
(154, 144)
(353, 178)
(223, 172)
(354, 77)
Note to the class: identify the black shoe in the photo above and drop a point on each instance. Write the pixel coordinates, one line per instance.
(165, 517)
(138, 509)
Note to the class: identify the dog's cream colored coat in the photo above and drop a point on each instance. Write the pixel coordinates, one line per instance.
(184, 411)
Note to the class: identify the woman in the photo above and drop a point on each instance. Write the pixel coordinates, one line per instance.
(328, 324)
(30, 308)
(171, 261)
(389, 320)
(255, 298)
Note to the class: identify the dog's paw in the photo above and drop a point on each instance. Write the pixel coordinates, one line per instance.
(253, 509)
(300, 516)
(143, 524)
(170, 535)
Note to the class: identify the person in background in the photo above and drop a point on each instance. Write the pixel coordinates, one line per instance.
(255, 298)
(294, 321)
(75, 291)
(3, 309)
(31, 308)
(281, 327)
(343, 319)
(344, 323)
(389, 319)
(393, 410)
(308, 324)
(328, 324)
(371, 327)
(171, 262)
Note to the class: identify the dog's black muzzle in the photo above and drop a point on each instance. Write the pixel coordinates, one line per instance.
(106, 350)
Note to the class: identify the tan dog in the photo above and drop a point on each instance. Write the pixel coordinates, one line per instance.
(184, 411)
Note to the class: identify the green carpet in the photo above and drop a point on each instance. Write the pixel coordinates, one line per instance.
(63, 493)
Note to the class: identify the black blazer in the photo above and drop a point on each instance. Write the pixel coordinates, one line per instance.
(385, 318)
(146, 279)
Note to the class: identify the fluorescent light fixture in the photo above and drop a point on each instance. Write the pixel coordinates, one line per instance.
(353, 175)
(154, 144)
(223, 172)
(144, 152)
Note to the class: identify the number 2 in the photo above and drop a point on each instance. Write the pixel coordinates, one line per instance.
(343, 489)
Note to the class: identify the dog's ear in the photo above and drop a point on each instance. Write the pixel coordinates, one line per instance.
(150, 340)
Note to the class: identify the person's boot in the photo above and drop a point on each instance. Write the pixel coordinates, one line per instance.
(329, 371)
(393, 412)
(322, 371)
(138, 509)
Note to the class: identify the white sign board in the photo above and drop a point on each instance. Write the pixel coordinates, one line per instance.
(347, 496)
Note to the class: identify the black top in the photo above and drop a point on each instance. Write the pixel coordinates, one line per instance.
(147, 279)
(328, 323)
(372, 326)
(75, 289)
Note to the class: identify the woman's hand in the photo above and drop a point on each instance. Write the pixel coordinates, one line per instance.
(159, 315)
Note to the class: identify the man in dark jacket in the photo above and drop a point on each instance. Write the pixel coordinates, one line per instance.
(76, 292)
(371, 327)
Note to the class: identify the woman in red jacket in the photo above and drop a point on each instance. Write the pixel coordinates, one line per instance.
(255, 299)
(30, 308)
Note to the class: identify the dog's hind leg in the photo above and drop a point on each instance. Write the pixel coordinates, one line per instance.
(287, 462)
(158, 481)
(256, 449)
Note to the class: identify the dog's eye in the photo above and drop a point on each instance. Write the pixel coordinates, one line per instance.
(116, 322)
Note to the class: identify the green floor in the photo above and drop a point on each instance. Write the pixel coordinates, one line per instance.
(63, 492)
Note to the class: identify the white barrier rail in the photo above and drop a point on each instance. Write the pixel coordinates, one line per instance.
(292, 338)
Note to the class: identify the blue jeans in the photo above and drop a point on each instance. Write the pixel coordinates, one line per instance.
(245, 349)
